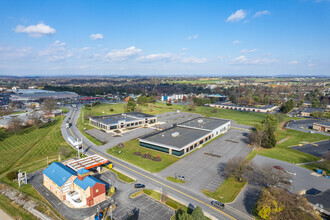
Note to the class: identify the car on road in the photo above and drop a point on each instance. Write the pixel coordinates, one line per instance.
(139, 185)
(289, 172)
(218, 204)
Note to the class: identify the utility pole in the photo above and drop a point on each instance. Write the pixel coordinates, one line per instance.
(47, 162)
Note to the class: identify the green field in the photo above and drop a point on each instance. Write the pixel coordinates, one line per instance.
(29, 149)
(227, 191)
(283, 152)
(324, 165)
(133, 146)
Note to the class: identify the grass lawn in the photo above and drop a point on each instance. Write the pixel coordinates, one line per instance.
(123, 177)
(29, 149)
(324, 165)
(147, 164)
(14, 210)
(283, 152)
(65, 110)
(175, 180)
(227, 191)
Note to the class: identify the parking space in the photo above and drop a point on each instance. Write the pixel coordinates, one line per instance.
(305, 125)
(317, 149)
(303, 180)
(200, 168)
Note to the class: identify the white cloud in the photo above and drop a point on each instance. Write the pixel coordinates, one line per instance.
(255, 61)
(184, 49)
(96, 36)
(193, 37)
(168, 57)
(12, 53)
(84, 49)
(293, 62)
(261, 13)
(235, 42)
(156, 57)
(36, 31)
(245, 51)
(56, 52)
(59, 44)
(193, 60)
(237, 16)
(123, 54)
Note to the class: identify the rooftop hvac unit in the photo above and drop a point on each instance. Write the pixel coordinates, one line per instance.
(200, 121)
(175, 134)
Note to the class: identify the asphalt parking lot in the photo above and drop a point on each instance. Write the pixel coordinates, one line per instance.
(303, 180)
(317, 149)
(305, 125)
(146, 207)
(201, 170)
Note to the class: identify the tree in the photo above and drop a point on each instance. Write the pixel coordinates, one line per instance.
(275, 203)
(213, 100)
(15, 124)
(265, 101)
(48, 105)
(237, 167)
(232, 98)
(255, 137)
(197, 214)
(269, 140)
(268, 176)
(130, 107)
(182, 215)
(287, 106)
(256, 99)
(316, 103)
(36, 120)
(64, 151)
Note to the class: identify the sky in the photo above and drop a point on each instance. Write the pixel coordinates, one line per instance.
(170, 37)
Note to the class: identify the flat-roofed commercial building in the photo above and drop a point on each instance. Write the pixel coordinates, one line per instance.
(322, 126)
(229, 105)
(122, 121)
(184, 137)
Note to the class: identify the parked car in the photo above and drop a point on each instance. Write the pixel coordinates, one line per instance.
(279, 168)
(139, 185)
(180, 177)
(289, 172)
(218, 204)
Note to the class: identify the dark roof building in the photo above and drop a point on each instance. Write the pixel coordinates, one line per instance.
(185, 136)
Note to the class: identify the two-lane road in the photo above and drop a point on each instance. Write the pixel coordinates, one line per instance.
(151, 180)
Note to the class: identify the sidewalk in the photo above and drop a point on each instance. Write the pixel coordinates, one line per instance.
(4, 216)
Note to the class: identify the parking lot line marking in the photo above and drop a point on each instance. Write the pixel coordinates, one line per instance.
(157, 180)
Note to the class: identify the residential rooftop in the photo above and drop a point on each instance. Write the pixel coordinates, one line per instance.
(311, 110)
(326, 123)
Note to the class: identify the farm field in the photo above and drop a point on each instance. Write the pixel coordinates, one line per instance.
(29, 149)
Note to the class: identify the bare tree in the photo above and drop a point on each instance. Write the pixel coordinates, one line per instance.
(237, 167)
(15, 124)
(48, 105)
(35, 118)
(255, 137)
(269, 176)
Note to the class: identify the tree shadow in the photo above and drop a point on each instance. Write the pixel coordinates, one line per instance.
(221, 169)
(250, 198)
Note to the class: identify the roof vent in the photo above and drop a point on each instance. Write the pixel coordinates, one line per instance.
(53, 170)
(200, 121)
(175, 134)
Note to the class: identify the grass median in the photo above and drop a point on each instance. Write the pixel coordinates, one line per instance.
(123, 177)
(227, 191)
(175, 180)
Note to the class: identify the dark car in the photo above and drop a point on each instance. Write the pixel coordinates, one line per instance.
(218, 204)
(139, 185)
